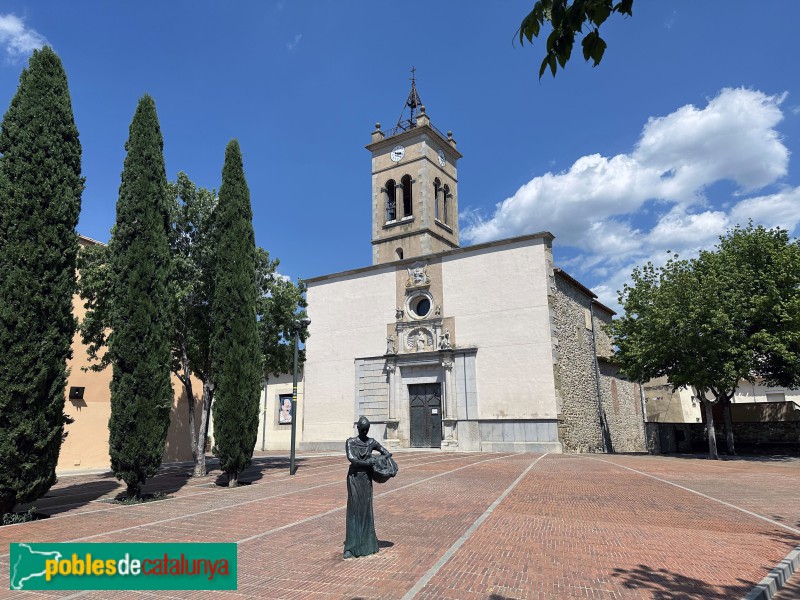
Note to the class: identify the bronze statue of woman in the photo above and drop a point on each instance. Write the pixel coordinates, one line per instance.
(361, 539)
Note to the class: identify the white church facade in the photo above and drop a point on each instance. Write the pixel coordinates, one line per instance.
(487, 347)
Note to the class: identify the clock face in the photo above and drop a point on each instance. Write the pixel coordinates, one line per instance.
(398, 152)
(442, 159)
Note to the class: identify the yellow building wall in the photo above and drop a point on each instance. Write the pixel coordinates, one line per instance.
(86, 443)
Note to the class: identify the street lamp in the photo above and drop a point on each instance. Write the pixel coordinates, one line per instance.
(298, 324)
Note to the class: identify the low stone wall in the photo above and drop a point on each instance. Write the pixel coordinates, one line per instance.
(775, 437)
(668, 438)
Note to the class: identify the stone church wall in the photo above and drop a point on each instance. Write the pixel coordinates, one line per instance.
(579, 421)
(623, 410)
(622, 399)
(576, 378)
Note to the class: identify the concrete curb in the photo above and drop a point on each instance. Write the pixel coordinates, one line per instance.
(775, 580)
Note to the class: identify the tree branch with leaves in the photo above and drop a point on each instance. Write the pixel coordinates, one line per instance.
(568, 19)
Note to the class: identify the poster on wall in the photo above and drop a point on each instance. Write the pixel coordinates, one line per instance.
(285, 409)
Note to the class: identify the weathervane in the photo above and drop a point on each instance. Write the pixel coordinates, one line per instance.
(413, 102)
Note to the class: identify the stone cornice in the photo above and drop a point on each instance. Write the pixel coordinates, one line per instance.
(412, 133)
(543, 235)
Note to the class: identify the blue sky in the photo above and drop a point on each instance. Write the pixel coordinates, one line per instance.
(688, 126)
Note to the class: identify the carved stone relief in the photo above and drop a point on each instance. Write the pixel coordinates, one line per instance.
(418, 275)
(419, 340)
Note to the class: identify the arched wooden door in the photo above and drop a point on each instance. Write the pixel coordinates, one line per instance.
(426, 415)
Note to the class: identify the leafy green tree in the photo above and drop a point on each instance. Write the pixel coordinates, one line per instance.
(234, 338)
(280, 304)
(40, 199)
(731, 314)
(193, 248)
(568, 19)
(139, 315)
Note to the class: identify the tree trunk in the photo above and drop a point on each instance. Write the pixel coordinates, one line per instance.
(200, 455)
(712, 434)
(134, 489)
(186, 378)
(726, 411)
(233, 480)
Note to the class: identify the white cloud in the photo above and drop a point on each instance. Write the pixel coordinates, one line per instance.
(678, 230)
(732, 138)
(17, 39)
(781, 209)
(293, 44)
(597, 205)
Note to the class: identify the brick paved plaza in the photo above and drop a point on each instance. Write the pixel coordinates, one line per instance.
(463, 526)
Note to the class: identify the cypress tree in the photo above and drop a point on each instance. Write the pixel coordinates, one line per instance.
(140, 340)
(40, 199)
(234, 342)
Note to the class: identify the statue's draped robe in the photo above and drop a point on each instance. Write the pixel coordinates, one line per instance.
(360, 539)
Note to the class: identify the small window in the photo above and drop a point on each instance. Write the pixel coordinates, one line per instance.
(419, 306)
(437, 187)
(446, 195)
(391, 200)
(399, 253)
(406, 184)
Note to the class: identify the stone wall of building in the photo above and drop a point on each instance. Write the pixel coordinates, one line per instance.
(574, 369)
(372, 398)
(622, 407)
(575, 320)
(622, 399)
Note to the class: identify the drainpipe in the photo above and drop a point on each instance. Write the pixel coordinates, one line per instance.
(597, 380)
(642, 400)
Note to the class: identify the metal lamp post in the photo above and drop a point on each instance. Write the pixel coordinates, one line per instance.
(297, 325)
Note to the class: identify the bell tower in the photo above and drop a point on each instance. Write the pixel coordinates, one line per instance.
(414, 186)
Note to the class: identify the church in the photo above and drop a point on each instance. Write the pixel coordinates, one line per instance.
(487, 347)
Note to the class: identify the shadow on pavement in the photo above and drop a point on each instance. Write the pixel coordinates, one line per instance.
(785, 537)
(168, 481)
(61, 499)
(260, 467)
(765, 458)
(664, 584)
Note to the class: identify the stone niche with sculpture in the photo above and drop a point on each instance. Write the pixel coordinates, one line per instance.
(419, 322)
